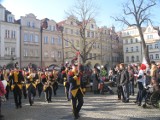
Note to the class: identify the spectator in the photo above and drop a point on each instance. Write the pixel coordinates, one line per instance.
(3, 85)
(124, 81)
(131, 80)
(95, 80)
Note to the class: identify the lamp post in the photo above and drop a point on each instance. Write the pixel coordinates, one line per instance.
(61, 29)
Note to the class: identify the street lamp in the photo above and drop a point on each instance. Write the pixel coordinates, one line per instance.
(62, 29)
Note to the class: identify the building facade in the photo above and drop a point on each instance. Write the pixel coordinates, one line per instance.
(132, 45)
(30, 43)
(45, 42)
(51, 43)
(9, 38)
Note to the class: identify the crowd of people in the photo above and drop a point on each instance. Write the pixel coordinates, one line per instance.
(126, 78)
(27, 82)
(75, 78)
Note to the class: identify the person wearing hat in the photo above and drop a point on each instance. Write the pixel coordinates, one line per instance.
(141, 84)
(16, 77)
(76, 93)
(31, 87)
(3, 85)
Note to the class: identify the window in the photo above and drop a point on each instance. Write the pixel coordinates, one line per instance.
(127, 59)
(33, 25)
(132, 58)
(52, 40)
(150, 46)
(156, 46)
(131, 49)
(36, 39)
(126, 49)
(136, 40)
(92, 26)
(25, 37)
(13, 50)
(92, 34)
(31, 37)
(25, 52)
(149, 36)
(59, 54)
(59, 41)
(77, 32)
(137, 58)
(157, 56)
(46, 40)
(7, 34)
(90, 55)
(94, 56)
(7, 51)
(151, 57)
(131, 40)
(71, 23)
(28, 24)
(137, 48)
(88, 34)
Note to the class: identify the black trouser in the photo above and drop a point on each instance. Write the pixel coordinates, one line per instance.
(39, 88)
(48, 93)
(31, 93)
(67, 90)
(7, 92)
(17, 96)
(119, 91)
(140, 92)
(55, 87)
(24, 91)
(77, 106)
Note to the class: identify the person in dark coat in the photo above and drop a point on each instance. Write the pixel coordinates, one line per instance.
(119, 87)
(131, 80)
(124, 81)
(95, 80)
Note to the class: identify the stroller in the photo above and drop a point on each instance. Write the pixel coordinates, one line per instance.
(151, 96)
(104, 88)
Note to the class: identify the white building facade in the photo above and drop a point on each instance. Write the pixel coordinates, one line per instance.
(9, 38)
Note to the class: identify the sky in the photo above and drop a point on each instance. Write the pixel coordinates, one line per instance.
(55, 10)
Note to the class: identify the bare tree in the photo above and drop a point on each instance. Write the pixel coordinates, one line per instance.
(139, 11)
(84, 11)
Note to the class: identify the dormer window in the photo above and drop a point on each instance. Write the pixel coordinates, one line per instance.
(28, 24)
(92, 26)
(33, 25)
(10, 18)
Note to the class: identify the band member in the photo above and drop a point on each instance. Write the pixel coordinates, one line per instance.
(76, 92)
(24, 89)
(53, 77)
(31, 87)
(47, 87)
(17, 78)
(39, 84)
(65, 81)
